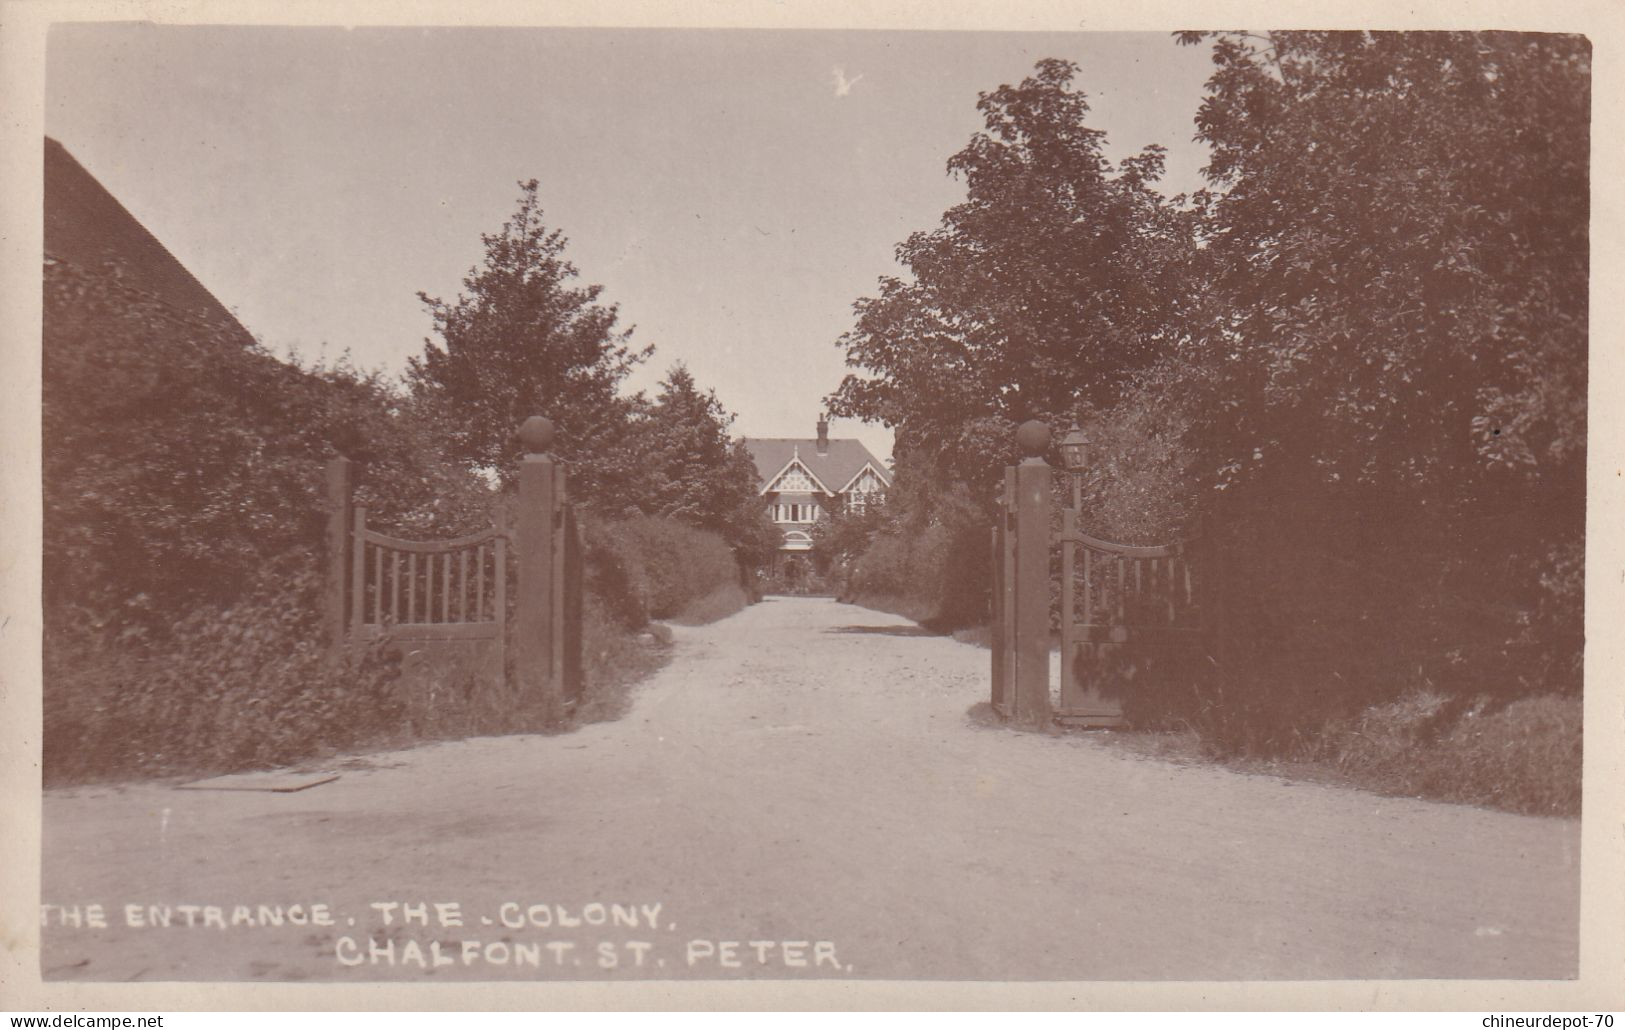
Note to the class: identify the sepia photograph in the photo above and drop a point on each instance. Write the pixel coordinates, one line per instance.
(613, 503)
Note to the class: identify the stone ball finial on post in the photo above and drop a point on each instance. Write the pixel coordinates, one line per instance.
(536, 435)
(1032, 437)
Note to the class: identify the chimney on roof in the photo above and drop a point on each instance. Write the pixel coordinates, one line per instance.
(823, 435)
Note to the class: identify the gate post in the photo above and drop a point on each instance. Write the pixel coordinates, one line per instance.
(1069, 606)
(340, 483)
(555, 579)
(996, 609)
(533, 601)
(1033, 499)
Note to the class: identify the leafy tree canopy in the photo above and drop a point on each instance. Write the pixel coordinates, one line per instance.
(1399, 255)
(524, 339)
(1050, 284)
(1361, 353)
(1386, 369)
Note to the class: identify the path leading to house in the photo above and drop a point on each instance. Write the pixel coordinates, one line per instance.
(801, 794)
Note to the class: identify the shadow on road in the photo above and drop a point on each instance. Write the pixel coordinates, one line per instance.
(886, 631)
(982, 716)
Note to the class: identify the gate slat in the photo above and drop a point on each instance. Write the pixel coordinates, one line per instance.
(394, 587)
(358, 572)
(378, 585)
(462, 586)
(1088, 585)
(445, 588)
(428, 589)
(499, 614)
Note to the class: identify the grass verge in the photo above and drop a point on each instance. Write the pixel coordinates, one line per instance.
(718, 603)
(1522, 757)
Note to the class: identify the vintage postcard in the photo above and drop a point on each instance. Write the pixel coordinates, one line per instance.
(576, 507)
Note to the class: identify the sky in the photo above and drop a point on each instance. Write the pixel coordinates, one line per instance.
(734, 191)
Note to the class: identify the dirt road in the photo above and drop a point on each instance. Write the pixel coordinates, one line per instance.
(800, 794)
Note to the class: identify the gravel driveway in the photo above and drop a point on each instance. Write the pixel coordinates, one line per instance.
(799, 794)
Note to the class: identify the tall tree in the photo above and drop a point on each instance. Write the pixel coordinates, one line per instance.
(1050, 285)
(1400, 240)
(691, 470)
(1388, 366)
(524, 339)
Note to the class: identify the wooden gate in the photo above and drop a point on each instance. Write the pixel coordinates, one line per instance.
(1004, 600)
(447, 599)
(451, 599)
(1112, 594)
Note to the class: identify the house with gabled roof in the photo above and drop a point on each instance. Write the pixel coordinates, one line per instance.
(804, 480)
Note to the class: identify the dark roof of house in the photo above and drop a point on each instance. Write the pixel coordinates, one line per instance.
(86, 226)
(835, 469)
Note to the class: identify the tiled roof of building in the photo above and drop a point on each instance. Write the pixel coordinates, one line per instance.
(86, 226)
(844, 460)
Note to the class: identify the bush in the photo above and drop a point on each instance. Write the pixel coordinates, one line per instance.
(937, 572)
(1523, 757)
(614, 662)
(178, 463)
(245, 686)
(615, 578)
(720, 603)
(657, 566)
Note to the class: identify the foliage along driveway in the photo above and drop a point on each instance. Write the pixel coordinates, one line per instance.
(799, 794)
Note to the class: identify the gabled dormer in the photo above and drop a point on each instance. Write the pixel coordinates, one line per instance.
(867, 482)
(796, 478)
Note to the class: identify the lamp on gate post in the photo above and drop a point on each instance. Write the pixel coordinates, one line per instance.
(1074, 447)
